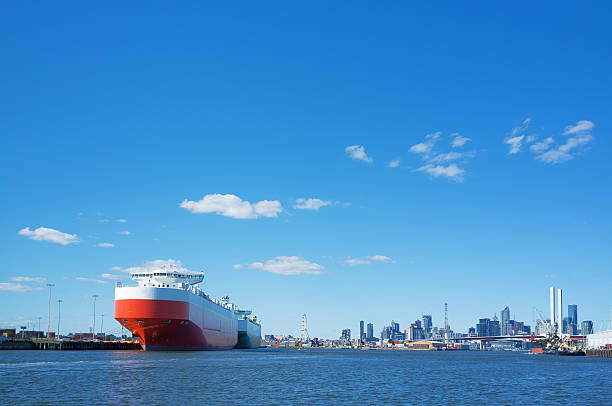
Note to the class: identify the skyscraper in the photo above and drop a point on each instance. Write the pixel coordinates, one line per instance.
(587, 327)
(427, 324)
(572, 314)
(370, 331)
(361, 332)
(482, 328)
(506, 327)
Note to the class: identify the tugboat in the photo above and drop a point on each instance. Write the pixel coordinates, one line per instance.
(558, 345)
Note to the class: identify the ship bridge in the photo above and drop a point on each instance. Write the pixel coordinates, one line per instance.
(165, 277)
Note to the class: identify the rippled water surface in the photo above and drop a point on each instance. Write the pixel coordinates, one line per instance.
(301, 377)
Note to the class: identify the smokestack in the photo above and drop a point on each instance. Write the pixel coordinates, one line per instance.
(560, 310)
(552, 309)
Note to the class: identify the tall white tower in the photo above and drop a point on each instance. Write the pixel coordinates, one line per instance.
(552, 310)
(304, 338)
(560, 311)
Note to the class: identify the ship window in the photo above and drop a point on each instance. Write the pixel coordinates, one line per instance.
(139, 320)
(124, 320)
(166, 321)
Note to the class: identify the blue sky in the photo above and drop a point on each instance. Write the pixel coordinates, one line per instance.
(201, 126)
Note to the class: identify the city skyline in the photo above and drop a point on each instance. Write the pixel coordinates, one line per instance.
(371, 163)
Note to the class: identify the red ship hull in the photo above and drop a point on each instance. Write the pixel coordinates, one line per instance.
(172, 325)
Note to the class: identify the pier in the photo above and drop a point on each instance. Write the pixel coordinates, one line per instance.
(67, 345)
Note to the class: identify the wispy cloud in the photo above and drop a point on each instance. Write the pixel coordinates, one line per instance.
(459, 140)
(368, 260)
(121, 221)
(578, 137)
(356, 261)
(233, 206)
(49, 234)
(576, 143)
(105, 245)
(516, 136)
(358, 152)
(311, 204)
(17, 287)
(438, 164)
(394, 164)
(380, 258)
(452, 171)
(35, 279)
(124, 232)
(112, 276)
(449, 156)
(82, 279)
(426, 146)
(287, 265)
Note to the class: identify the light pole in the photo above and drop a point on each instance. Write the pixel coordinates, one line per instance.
(94, 316)
(102, 327)
(50, 285)
(59, 315)
(39, 322)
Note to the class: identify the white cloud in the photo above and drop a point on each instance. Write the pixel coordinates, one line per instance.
(541, 146)
(515, 144)
(521, 128)
(581, 136)
(156, 265)
(368, 260)
(105, 245)
(18, 287)
(356, 261)
(233, 206)
(49, 234)
(284, 265)
(124, 232)
(426, 146)
(121, 221)
(112, 276)
(394, 164)
(311, 204)
(451, 171)
(449, 156)
(358, 152)
(35, 279)
(236, 266)
(80, 278)
(582, 126)
(459, 140)
(515, 140)
(380, 258)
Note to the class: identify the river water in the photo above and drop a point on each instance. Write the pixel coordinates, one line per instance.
(309, 376)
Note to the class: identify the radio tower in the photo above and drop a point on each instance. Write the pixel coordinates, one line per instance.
(304, 333)
(446, 327)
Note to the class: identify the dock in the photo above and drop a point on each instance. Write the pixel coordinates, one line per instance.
(603, 353)
(67, 345)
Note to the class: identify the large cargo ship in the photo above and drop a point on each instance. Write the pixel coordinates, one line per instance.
(249, 330)
(167, 311)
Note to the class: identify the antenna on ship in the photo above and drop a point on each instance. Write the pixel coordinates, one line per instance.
(304, 338)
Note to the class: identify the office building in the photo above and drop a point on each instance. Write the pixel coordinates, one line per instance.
(482, 327)
(506, 327)
(586, 327)
(361, 331)
(346, 334)
(427, 324)
(370, 331)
